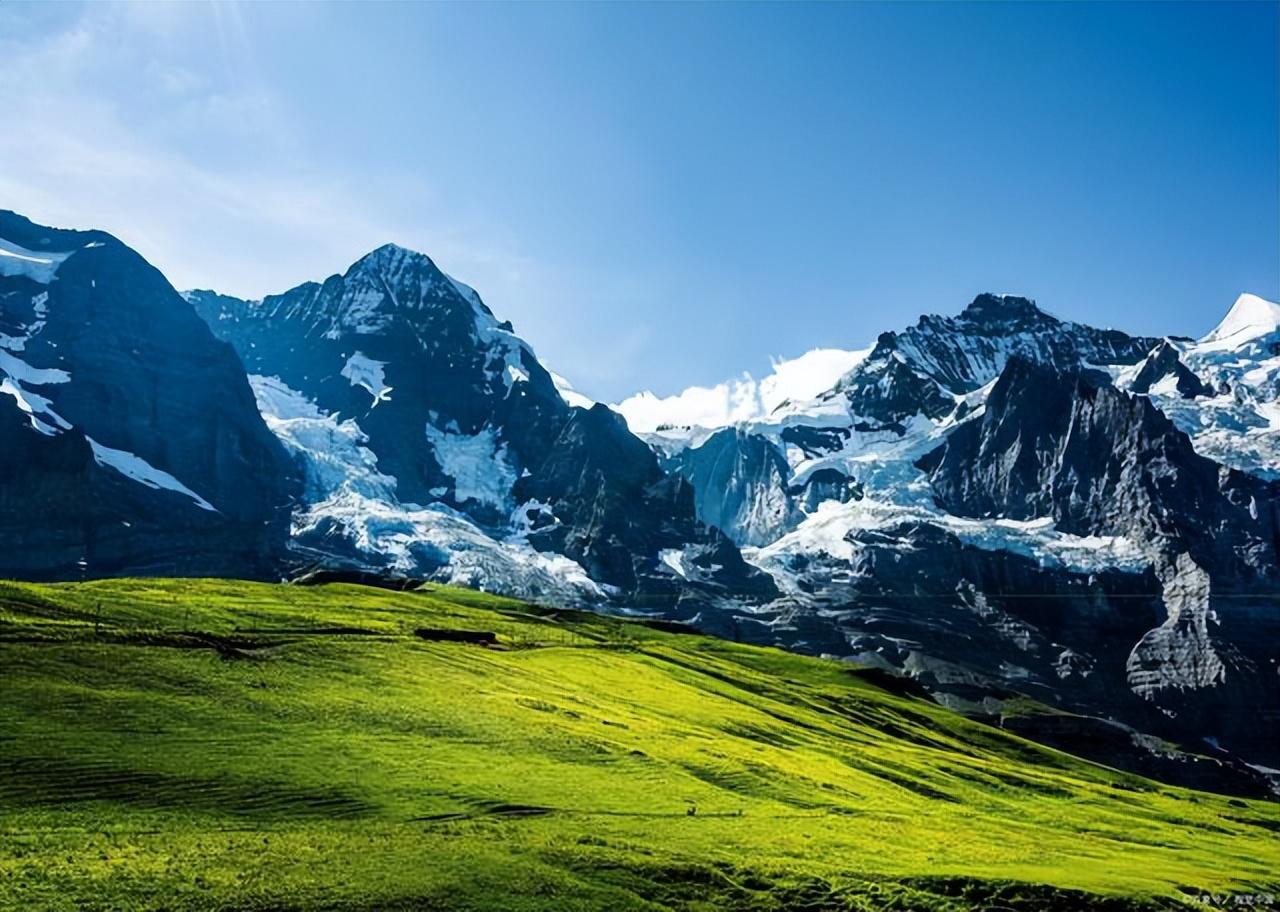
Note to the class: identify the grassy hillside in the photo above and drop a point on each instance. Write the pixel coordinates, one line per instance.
(212, 744)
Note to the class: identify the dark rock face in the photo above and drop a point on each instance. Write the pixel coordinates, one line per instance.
(922, 369)
(142, 450)
(458, 411)
(1165, 363)
(740, 484)
(1102, 462)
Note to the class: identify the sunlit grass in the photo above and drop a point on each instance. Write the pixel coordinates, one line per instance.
(205, 744)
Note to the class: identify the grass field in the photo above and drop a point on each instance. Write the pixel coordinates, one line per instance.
(175, 744)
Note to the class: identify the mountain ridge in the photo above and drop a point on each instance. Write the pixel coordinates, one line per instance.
(402, 428)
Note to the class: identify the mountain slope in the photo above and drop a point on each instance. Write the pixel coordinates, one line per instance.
(463, 422)
(132, 442)
(554, 769)
(996, 502)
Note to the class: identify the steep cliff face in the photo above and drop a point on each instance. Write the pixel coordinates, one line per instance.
(740, 484)
(449, 418)
(157, 458)
(1103, 462)
(1099, 461)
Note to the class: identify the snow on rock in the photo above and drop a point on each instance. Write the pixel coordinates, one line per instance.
(569, 394)
(16, 376)
(43, 418)
(138, 469)
(332, 452)
(1249, 318)
(673, 560)
(22, 372)
(39, 266)
(39, 310)
(446, 546)
(1238, 424)
(345, 491)
(477, 463)
(363, 371)
(741, 399)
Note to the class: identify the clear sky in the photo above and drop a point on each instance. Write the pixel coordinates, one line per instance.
(666, 195)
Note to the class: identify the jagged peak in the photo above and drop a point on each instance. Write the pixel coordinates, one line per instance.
(1002, 308)
(392, 256)
(1249, 317)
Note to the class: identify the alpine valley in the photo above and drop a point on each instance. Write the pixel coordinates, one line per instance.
(1067, 531)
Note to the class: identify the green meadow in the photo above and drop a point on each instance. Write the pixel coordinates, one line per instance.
(206, 744)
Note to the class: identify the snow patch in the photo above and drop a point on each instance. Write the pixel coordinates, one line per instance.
(569, 394)
(446, 546)
(36, 407)
(673, 559)
(37, 266)
(333, 452)
(477, 463)
(363, 371)
(138, 469)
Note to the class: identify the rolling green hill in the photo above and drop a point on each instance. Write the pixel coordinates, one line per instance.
(223, 745)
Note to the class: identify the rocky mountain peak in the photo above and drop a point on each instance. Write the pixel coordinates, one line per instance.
(1004, 309)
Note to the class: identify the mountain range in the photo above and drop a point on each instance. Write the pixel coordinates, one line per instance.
(1007, 508)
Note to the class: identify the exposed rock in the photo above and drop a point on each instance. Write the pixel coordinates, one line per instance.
(740, 486)
(1163, 364)
(1100, 461)
(132, 443)
(455, 410)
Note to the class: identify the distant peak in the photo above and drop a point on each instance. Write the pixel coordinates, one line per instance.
(392, 256)
(988, 307)
(1249, 317)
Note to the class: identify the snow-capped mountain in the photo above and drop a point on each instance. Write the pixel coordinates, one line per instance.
(131, 443)
(997, 503)
(1005, 500)
(435, 444)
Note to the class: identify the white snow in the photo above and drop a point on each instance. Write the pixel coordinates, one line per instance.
(569, 394)
(36, 407)
(477, 463)
(22, 372)
(362, 370)
(345, 489)
(827, 529)
(673, 559)
(466, 291)
(742, 399)
(138, 469)
(1249, 318)
(333, 452)
(410, 538)
(17, 375)
(1238, 425)
(37, 266)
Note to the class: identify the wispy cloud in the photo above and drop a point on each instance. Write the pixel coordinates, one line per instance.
(108, 127)
(153, 122)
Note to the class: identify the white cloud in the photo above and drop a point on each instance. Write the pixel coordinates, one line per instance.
(155, 122)
(744, 398)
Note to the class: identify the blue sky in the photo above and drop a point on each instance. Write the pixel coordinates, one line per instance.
(667, 195)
